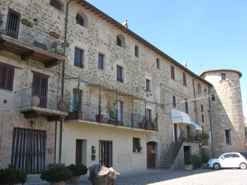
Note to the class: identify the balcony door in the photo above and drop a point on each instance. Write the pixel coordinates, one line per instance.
(40, 88)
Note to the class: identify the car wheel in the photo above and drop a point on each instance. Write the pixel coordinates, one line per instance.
(243, 166)
(216, 166)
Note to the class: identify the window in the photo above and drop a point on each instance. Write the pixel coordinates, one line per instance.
(186, 106)
(13, 23)
(158, 63)
(213, 97)
(174, 102)
(228, 136)
(101, 59)
(199, 88)
(57, 4)
(6, 77)
(172, 72)
(120, 41)
(136, 51)
(203, 118)
(120, 75)
(184, 79)
(148, 115)
(202, 108)
(77, 97)
(137, 145)
(120, 111)
(80, 20)
(79, 57)
(245, 133)
(148, 85)
(223, 76)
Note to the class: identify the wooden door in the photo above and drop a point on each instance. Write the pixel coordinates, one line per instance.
(29, 150)
(40, 88)
(106, 153)
(151, 155)
(80, 152)
(187, 154)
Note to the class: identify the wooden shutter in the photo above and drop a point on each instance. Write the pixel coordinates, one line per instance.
(6, 76)
(79, 57)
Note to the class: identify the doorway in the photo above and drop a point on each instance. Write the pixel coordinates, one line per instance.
(106, 153)
(151, 155)
(81, 152)
(187, 154)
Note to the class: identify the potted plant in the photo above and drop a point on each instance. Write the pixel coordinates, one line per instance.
(196, 161)
(188, 165)
(56, 174)
(11, 176)
(77, 170)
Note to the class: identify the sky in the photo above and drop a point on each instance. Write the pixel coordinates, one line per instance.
(204, 34)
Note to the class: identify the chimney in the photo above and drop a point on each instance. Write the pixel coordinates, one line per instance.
(125, 23)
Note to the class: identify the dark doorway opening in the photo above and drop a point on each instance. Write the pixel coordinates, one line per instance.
(80, 152)
(151, 155)
(106, 153)
(187, 154)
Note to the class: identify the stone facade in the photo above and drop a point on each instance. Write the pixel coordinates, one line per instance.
(100, 90)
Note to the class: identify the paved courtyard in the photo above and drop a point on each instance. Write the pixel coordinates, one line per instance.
(201, 177)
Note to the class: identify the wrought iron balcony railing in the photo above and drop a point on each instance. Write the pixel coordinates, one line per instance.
(91, 113)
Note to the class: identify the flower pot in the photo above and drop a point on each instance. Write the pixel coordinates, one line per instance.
(188, 167)
(59, 183)
(75, 180)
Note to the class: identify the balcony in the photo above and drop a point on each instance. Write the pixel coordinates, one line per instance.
(110, 117)
(28, 51)
(31, 106)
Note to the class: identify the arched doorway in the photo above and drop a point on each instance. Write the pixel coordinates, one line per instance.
(151, 154)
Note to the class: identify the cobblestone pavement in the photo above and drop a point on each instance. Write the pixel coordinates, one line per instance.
(166, 177)
(200, 177)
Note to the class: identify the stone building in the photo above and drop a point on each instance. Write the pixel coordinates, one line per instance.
(76, 86)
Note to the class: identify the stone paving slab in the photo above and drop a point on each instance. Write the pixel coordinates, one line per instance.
(168, 177)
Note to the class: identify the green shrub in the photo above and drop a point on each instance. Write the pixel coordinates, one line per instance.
(78, 169)
(188, 162)
(196, 161)
(204, 157)
(12, 176)
(56, 173)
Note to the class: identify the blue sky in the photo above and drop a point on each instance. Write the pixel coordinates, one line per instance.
(205, 34)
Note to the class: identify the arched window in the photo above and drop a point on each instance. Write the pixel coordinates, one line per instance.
(81, 19)
(121, 41)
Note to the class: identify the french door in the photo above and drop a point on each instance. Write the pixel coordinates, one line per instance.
(29, 150)
(106, 154)
(40, 88)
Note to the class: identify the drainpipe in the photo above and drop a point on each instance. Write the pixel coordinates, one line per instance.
(195, 104)
(211, 122)
(63, 76)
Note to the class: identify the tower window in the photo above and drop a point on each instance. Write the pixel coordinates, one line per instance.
(148, 85)
(136, 51)
(228, 137)
(158, 63)
(223, 76)
(79, 57)
(199, 88)
(57, 4)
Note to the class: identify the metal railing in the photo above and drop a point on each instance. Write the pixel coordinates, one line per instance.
(110, 115)
(25, 99)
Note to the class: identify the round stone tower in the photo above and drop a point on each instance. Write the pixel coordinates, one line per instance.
(226, 110)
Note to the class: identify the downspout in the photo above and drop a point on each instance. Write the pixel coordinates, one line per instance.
(195, 104)
(211, 123)
(63, 76)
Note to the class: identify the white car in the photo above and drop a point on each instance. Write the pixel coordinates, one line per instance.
(228, 160)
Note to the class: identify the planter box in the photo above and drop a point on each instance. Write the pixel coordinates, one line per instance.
(59, 183)
(188, 167)
(75, 180)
